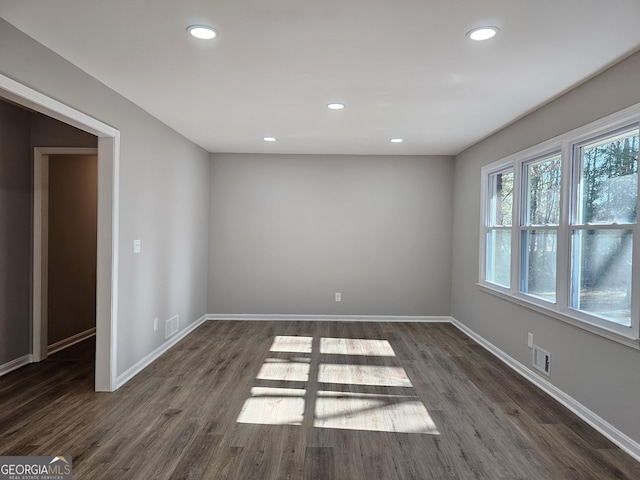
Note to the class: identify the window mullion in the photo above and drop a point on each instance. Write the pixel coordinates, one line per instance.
(563, 260)
(635, 272)
(516, 229)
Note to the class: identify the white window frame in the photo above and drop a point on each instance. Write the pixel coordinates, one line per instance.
(547, 152)
(565, 145)
(485, 227)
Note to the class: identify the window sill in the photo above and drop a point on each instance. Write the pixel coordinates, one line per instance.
(628, 341)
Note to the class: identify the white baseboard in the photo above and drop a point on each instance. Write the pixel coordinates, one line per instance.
(131, 372)
(15, 364)
(605, 428)
(72, 340)
(326, 318)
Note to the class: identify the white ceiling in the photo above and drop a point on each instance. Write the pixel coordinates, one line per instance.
(403, 68)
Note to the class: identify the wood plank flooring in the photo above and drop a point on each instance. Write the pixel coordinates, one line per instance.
(304, 400)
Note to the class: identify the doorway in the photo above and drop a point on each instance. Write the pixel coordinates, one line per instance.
(108, 224)
(65, 248)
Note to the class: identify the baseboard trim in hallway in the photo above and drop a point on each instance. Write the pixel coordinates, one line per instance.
(72, 340)
(15, 364)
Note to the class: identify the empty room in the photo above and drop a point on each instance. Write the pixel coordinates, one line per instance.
(330, 240)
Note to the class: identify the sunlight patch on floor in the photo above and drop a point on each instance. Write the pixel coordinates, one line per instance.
(278, 369)
(292, 344)
(364, 375)
(378, 413)
(400, 412)
(273, 406)
(356, 346)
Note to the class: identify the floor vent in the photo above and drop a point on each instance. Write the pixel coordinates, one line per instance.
(541, 360)
(171, 327)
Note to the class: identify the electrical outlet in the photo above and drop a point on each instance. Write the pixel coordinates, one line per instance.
(338, 297)
(155, 324)
(530, 340)
(137, 246)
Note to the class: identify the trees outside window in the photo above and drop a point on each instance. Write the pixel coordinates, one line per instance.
(541, 217)
(606, 200)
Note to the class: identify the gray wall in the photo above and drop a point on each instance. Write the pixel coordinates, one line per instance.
(163, 196)
(73, 208)
(599, 373)
(15, 233)
(288, 231)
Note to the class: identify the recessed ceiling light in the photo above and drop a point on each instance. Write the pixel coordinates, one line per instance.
(336, 106)
(397, 140)
(483, 33)
(202, 32)
(269, 139)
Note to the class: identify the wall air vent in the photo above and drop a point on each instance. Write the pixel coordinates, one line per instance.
(541, 360)
(171, 327)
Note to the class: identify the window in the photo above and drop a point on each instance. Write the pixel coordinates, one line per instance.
(539, 232)
(560, 227)
(498, 232)
(606, 202)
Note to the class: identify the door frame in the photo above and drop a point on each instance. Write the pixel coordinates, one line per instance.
(108, 220)
(40, 305)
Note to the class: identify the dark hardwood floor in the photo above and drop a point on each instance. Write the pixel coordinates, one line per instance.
(304, 400)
